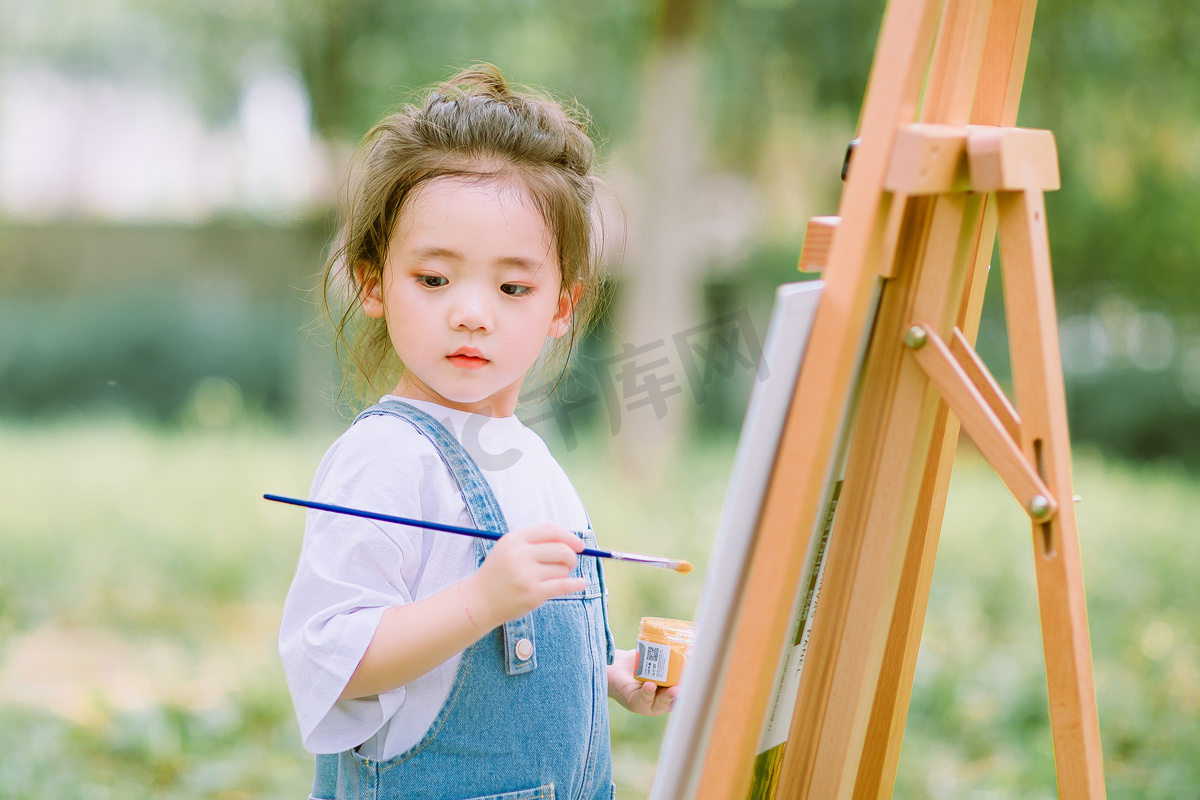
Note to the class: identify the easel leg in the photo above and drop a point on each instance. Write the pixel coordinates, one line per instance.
(837, 731)
(866, 553)
(805, 450)
(885, 732)
(1037, 375)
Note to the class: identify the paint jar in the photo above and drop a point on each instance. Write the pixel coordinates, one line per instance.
(662, 649)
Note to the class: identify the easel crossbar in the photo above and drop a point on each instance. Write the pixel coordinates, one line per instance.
(997, 441)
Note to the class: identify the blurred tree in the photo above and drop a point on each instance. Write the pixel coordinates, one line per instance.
(776, 85)
(664, 268)
(360, 57)
(1119, 83)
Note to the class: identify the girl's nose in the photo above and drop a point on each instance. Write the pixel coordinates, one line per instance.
(470, 310)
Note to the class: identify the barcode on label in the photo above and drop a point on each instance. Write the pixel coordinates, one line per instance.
(653, 660)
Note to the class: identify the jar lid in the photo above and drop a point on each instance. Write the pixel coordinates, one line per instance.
(665, 626)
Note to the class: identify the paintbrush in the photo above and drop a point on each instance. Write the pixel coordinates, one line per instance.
(679, 565)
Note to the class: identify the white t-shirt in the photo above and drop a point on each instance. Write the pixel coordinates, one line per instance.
(352, 569)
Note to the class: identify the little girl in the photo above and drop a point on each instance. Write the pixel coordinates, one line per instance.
(422, 664)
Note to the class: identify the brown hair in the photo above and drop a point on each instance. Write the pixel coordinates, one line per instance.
(478, 126)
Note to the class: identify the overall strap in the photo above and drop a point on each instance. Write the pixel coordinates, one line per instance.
(520, 646)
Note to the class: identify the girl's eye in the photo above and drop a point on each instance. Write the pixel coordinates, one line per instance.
(514, 289)
(431, 281)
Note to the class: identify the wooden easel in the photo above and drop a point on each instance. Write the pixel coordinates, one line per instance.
(939, 168)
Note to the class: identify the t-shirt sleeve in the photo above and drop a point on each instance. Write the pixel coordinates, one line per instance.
(350, 571)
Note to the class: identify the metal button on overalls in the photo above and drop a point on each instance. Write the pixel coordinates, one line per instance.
(524, 649)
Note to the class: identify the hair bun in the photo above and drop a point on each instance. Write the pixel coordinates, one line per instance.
(478, 79)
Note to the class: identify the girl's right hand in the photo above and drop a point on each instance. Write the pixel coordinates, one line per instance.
(525, 568)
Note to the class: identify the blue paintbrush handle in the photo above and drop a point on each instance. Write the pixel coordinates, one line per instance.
(416, 523)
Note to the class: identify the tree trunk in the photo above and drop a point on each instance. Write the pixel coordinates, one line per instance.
(662, 276)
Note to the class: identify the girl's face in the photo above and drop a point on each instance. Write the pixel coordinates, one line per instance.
(471, 290)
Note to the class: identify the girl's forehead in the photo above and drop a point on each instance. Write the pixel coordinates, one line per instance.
(455, 202)
(500, 189)
(497, 212)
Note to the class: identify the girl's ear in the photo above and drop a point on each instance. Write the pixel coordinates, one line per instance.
(566, 309)
(370, 292)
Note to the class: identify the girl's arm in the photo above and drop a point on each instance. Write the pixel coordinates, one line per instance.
(525, 568)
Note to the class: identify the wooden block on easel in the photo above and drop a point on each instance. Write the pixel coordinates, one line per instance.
(1012, 159)
(818, 243)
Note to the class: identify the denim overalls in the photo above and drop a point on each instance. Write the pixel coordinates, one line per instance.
(527, 714)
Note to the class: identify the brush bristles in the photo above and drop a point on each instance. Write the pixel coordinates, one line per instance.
(679, 565)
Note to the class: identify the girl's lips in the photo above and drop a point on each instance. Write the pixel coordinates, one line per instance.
(468, 361)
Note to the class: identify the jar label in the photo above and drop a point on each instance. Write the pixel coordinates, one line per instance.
(653, 660)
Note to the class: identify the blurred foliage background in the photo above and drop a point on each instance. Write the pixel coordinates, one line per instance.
(168, 180)
(183, 158)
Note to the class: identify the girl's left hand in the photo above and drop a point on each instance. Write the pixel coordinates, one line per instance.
(642, 698)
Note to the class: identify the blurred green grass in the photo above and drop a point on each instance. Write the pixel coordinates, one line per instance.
(142, 577)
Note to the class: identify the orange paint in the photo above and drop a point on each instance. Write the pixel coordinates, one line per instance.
(662, 649)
